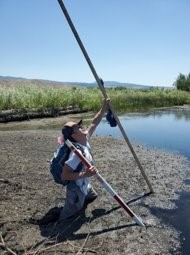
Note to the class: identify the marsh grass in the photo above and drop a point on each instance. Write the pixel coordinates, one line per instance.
(123, 99)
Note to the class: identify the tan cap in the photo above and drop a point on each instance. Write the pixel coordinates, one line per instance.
(68, 128)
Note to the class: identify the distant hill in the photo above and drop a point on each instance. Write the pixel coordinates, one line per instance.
(128, 85)
(6, 80)
(110, 84)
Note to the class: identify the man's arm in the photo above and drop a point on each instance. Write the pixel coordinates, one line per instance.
(98, 117)
(69, 174)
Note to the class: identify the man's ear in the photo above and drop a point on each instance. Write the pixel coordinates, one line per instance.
(73, 137)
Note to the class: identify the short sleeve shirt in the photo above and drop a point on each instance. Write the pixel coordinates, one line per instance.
(73, 161)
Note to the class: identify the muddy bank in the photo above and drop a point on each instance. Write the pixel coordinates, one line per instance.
(29, 114)
(30, 201)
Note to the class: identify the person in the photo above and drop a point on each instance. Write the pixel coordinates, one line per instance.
(79, 191)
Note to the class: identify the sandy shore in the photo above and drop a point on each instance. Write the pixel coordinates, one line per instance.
(30, 200)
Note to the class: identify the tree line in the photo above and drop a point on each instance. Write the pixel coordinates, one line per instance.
(182, 82)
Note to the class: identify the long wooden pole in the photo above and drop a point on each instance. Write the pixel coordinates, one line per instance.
(101, 86)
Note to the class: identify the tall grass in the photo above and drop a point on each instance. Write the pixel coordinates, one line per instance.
(123, 99)
(130, 99)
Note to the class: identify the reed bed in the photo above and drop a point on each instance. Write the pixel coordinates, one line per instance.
(123, 99)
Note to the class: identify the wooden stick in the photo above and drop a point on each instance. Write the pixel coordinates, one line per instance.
(3, 245)
(100, 84)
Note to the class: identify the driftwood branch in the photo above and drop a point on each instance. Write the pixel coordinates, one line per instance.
(4, 246)
(82, 247)
(50, 243)
(40, 250)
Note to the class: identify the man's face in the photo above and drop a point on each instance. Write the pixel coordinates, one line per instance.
(79, 131)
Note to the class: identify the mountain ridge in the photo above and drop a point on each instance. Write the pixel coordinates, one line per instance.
(80, 84)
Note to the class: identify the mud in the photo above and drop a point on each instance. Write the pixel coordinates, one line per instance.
(31, 201)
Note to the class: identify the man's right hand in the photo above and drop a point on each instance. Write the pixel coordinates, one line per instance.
(90, 171)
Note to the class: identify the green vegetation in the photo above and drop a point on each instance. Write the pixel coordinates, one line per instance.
(183, 82)
(123, 99)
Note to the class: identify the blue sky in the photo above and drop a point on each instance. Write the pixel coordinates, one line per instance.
(136, 41)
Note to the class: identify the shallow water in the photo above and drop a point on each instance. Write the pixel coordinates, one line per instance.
(165, 129)
(169, 130)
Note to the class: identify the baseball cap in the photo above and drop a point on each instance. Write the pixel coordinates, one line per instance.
(68, 128)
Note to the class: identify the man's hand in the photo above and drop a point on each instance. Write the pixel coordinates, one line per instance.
(90, 171)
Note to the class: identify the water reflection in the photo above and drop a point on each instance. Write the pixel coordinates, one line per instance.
(178, 113)
(167, 129)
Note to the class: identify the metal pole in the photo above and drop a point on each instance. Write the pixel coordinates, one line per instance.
(100, 84)
(106, 185)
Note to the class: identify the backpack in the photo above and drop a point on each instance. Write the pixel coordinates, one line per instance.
(57, 162)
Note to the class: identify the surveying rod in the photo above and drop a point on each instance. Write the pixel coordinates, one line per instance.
(106, 185)
(101, 86)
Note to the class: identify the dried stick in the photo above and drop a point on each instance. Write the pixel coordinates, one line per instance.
(45, 249)
(3, 245)
(85, 249)
(82, 247)
(86, 239)
(40, 248)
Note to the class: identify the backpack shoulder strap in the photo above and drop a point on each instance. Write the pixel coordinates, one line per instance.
(80, 165)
